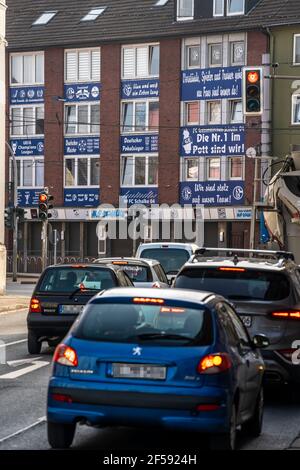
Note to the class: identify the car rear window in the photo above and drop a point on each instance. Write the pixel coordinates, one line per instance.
(120, 322)
(236, 285)
(171, 259)
(137, 273)
(68, 279)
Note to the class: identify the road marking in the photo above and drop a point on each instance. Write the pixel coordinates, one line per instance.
(18, 373)
(14, 342)
(10, 436)
(21, 362)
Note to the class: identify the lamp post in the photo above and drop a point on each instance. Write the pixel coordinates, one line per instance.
(15, 205)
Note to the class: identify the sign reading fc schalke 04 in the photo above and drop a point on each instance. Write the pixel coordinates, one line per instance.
(211, 84)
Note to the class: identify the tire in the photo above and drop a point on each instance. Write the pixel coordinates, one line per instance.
(226, 441)
(33, 345)
(60, 436)
(253, 427)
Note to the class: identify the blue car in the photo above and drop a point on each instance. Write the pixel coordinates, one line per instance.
(178, 359)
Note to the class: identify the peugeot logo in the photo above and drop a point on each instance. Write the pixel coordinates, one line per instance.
(137, 351)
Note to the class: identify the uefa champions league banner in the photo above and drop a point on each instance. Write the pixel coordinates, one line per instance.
(212, 193)
(26, 95)
(74, 93)
(28, 147)
(85, 197)
(29, 197)
(139, 89)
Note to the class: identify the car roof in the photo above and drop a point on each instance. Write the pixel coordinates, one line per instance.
(136, 261)
(257, 264)
(81, 266)
(192, 246)
(186, 295)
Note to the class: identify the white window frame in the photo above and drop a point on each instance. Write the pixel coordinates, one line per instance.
(133, 130)
(187, 48)
(236, 178)
(295, 98)
(231, 61)
(185, 114)
(185, 176)
(296, 36)
(208, 104)
(241, 12)
(135, 47)
(77, 52)
(185, 18)
(209, 61)
(76, 158)
(230, 104)
(22, 122)
(214, 10)
(34, 54)
(207, 168)
(89, 122)
(134, 156)
(34, 161)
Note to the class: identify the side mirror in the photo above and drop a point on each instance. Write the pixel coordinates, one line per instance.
(260, 341)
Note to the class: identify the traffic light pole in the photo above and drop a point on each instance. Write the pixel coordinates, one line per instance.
(45, 244)
(15, 216)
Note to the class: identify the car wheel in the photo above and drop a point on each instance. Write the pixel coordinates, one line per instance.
(34, 346)
(226, 441)
(60, 436)
(253, 427)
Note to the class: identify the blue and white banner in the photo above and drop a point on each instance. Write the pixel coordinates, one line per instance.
(74, 93)
(26, 95)
(212, 193)
(139, 143)
(29, 197)
(85, 197)
(82, 146)
(107, 214)
(139, 89)
(211, 84)
(131, 196)
(212, 141)
(28, 147)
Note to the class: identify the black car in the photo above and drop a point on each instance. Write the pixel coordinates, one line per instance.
(61, 294)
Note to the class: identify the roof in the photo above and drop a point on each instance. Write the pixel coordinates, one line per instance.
(167, 245)
(129, 260)
(257, 264)
(179, 295)
(127, 20)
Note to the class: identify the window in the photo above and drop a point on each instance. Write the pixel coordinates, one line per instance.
(27, 121)
(296, 49)
(215, 55)
(161, 3)
(185, 10)
(141, 61)
(236, 111)
(191, 169)
(30, 172)
(236, 168)
(237, 53)
(192, 113)
(193, 56)
(213, 169)
(140, 116)
(218, 7)
(296, 109)
(139, 171)
(82, 65)
(82, 171)
(235, 7)
(27, 69)
(213, 112)
(44, 18)
(93, 14)
(82, 119)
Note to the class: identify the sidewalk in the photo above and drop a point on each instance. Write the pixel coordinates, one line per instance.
(9, 303)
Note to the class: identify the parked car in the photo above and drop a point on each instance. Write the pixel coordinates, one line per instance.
(170, 358)
(172, 256)
(60, 295)
(142, 272)
(265, 290)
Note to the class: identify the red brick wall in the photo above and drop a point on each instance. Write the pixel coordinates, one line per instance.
(110, 124)
(169, 120)
(54, 123)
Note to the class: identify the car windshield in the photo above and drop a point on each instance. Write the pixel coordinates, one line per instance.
(171, 259)
(123, 322)
(236, 285)
(68, 279)
(137, 273)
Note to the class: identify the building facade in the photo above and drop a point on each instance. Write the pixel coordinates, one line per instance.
(121, 108)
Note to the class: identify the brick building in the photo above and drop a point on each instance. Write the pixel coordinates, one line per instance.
(135, 99)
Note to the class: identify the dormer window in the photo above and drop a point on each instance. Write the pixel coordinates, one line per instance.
(185, 10)
(229, 7)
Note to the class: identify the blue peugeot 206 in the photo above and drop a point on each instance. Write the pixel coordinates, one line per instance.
(178, 359)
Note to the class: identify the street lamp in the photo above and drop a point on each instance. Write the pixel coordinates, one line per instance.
(15, 215)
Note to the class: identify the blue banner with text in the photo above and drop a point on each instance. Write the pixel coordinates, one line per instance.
(212, 193)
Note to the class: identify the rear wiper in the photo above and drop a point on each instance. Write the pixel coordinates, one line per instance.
(164, 336)
(79, 289)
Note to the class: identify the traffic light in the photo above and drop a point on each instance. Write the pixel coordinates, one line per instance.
(45, 204)
(9, 218)
(21, 213)
(253, 91)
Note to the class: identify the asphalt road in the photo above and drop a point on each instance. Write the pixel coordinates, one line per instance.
(23, 402)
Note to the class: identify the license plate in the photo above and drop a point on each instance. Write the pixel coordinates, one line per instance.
(70, 309)
(138, 371)
(247, 320)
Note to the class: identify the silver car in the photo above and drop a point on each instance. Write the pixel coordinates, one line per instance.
(142, 272)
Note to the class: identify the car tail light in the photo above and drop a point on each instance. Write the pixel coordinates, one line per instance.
(146, 300)
(156, 285)
(65, 355)
(287, 353)
(35, 306)
(208, 407)
(214, 364)
(235, 270)
(62, 398)
(289, 314)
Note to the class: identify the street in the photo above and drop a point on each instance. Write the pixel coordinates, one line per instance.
(23, 390)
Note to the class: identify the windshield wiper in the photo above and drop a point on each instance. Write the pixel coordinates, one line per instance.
(79, 289)
(164, 336)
